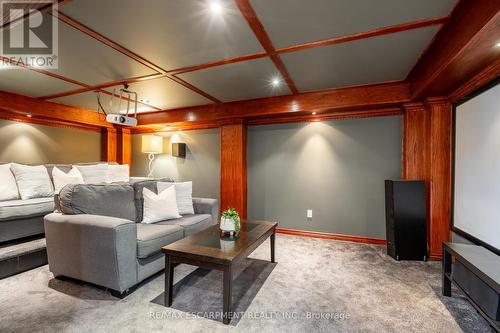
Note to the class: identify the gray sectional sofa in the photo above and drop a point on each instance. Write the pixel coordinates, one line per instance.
(24, 218)
(97, 236)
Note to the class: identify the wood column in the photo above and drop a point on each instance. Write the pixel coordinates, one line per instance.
(233, 168)
(109, 145)
(440, 171)
(416, 149)
(427, 156)
(124, 146)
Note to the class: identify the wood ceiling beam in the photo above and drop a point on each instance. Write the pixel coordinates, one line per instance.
(106, 41)
(367, 34)
(59, 113)
(12, 62)
(104, 86)
(324, 42)
(219, 63)
(94, 34)
(462, 48)
(253, 21)
(355, 98)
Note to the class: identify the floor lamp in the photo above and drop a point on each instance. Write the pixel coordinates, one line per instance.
(152, 145)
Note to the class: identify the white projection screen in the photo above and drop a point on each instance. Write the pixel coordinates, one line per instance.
(476, 205)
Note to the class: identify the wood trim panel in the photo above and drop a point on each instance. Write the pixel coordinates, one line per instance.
(355, 98)
(253, 21)
(463, 45)
(233, 168)
(324, 235)
(23, 105)
(440, 173)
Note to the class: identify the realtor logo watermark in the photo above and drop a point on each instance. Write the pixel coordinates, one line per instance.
(32, 37)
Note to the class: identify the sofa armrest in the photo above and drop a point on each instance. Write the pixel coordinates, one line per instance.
(207, 206)
(93, 248)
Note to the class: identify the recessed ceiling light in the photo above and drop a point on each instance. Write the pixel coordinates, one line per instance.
(216, 7)
(275, 82)
(29, 115)
(497, 45)
(314, 113)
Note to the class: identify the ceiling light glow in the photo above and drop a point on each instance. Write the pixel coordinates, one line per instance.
(29, 115)
(497, 45)
(216, 7)
(275, 82)
(314, 113)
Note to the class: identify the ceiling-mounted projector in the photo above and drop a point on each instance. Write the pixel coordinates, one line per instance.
(121, 120)
(114, 116)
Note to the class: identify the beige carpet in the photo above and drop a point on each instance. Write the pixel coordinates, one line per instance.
(316, 286)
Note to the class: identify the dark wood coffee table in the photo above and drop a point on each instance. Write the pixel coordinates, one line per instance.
(206, 249)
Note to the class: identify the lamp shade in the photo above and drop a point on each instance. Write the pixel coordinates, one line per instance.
(152, 144)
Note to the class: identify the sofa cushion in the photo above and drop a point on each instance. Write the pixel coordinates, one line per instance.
(118, 173)
(8, 185)
(138, 186)
(152, 237)
(32, 181)
(184, 194)
(94, 174)
(191, 223)
(18, 209)
(61, 178)
(115, 200)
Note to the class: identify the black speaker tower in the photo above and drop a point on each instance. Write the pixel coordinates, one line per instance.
(406, 219)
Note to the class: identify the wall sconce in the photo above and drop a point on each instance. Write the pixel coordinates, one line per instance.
(152, 144)
(179, 149)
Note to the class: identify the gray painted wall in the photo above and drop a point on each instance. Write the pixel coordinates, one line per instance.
(201, 165)
(335, 168)
(37, 144)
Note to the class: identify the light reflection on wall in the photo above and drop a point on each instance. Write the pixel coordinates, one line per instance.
(31, 144)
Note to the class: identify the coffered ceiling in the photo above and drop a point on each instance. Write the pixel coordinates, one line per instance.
(181, 53)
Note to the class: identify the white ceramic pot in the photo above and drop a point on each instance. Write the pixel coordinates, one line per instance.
(227, 225)
(226, 245)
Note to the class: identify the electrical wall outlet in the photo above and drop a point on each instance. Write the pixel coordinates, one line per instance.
(309, 213)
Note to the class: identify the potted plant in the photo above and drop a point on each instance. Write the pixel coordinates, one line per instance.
(230, 222)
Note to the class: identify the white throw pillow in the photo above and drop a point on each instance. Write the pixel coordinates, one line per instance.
(118, 173)
(62, 179)
(184, 193)
(32, 181)
(8, 186)
(159, 207)
(94, 174)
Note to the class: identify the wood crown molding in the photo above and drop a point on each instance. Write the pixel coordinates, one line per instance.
(377, 96)
(461, 48)
(50, 112)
